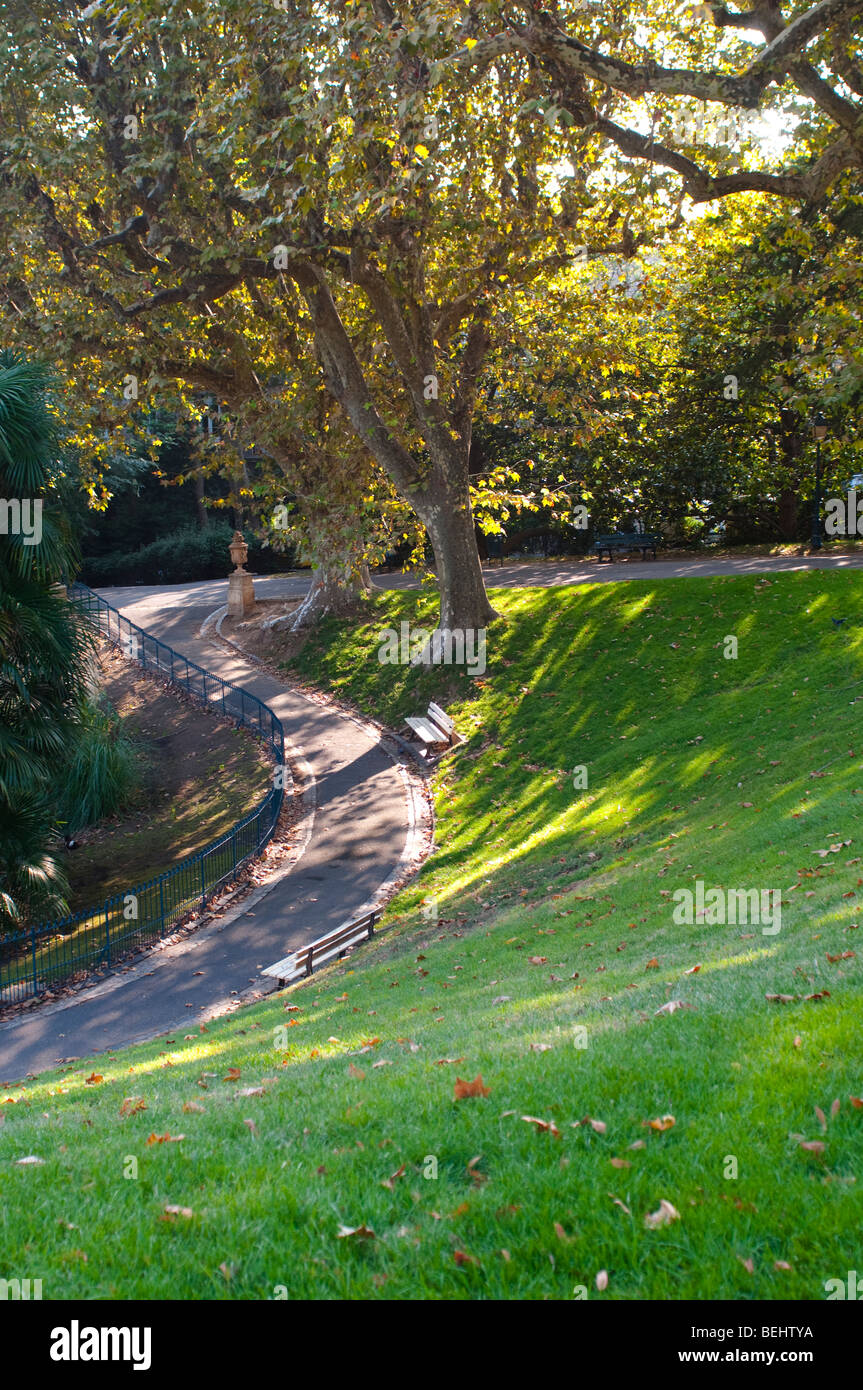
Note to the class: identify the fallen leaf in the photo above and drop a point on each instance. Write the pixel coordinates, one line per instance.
(251, 1125)
(857, 1102)
(620, 1163)
(465, 1090)
(355, 1071)
(252, 1091)
(545, 1125)
(191, 1107)
(537, 960)
(355, 1233)
(602, 1280)
(462, 1258)
(663, 1216)
(31, 1158)
(598, 1125)
(813, 1146)
(663, 1123)
(233, 1074)
(781, 1264)
(748, 1265)
(171, 1212)
(165, 1138)
(132, 1104)
(94, 1078)
(672, 1006)
(693, 970)
(390, 1182)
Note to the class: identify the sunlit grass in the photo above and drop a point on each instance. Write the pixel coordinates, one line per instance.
(528, 866)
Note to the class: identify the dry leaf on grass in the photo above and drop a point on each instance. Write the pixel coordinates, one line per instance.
(165, 1138)
(233, 1074)
(813, 1146)
(132, 1104)
(171, 1212)
(355, 1071)
(671, 1007)
(355, 1233)
(547, 1126)
(663, 1216)
(191, 1107)
(466, 1090)
(660, 1125)
(602, 1280)
(462, 1258)
(390, 1182)
(94, 1078)
(620, 1163)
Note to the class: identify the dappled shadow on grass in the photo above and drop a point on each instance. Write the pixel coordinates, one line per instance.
(554, 913)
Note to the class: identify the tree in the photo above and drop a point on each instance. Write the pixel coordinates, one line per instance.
(183, 218)
(185, 191)
(43, 653)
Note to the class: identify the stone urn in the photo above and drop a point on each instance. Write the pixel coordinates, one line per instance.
(241, 589)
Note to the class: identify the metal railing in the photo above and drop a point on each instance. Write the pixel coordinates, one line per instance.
(44, 958)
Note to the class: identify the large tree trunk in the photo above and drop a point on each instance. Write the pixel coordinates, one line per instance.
(464, 602)
(331, 591)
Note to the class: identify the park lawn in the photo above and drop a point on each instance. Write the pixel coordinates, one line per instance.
(553, 950)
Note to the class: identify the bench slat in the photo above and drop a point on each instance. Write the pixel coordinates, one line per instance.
(428, 732)
(441, 718)
(318, 952)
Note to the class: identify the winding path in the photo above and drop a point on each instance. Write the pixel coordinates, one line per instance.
(359, 829)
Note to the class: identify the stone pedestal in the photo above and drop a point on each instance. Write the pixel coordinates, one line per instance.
(241, 594)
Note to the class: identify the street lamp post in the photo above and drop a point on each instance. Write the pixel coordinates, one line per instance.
(819, 430)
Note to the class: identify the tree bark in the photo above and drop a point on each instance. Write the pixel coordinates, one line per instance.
(331, 591)
(463, 600)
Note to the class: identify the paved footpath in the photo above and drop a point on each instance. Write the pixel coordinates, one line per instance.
(362, 824)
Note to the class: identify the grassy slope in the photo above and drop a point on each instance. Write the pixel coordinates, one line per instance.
(630, 681)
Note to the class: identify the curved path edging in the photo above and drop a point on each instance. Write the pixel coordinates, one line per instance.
(366, 825)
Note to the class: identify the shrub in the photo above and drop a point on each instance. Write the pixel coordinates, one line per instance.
(185, 555)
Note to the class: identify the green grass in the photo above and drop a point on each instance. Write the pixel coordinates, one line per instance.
(629, 681)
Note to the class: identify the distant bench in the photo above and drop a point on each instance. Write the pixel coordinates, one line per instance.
(627, 540)
(325, 949)
(435, 730)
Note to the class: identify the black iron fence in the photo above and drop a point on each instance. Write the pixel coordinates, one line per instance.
(42, 958)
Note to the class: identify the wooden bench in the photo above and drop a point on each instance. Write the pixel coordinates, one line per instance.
(336, 944)
(494, 549)
(435, 730)
(626, 540)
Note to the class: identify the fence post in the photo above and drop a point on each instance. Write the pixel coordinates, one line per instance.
(171, 650)
(107, 934)
(203, 885)
(33, 945)
(234, 848)
(162, 905)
